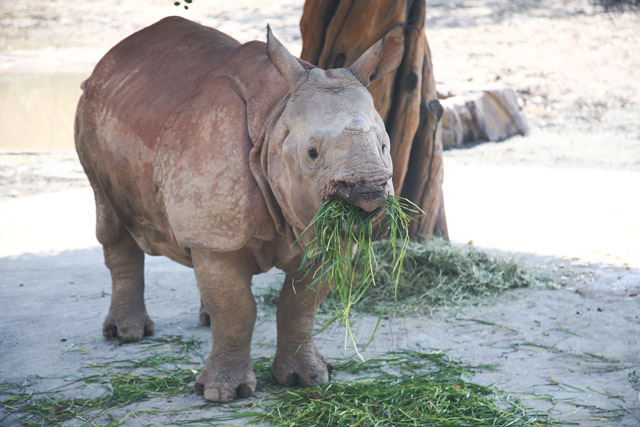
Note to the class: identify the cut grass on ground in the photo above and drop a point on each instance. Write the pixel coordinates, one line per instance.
(166, 368)
(438, 274)
(400, 388)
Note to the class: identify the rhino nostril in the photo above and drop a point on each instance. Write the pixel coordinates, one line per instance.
(345, 185)
(348, 188)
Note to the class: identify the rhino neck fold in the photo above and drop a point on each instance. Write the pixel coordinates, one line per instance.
(265, 103)
(259, 166)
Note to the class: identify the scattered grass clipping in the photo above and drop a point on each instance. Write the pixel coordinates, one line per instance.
(168, 372)
(342, 252)
(397, 388)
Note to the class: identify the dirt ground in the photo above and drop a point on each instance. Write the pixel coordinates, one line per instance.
(564, 200)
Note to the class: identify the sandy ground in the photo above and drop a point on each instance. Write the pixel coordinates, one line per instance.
(564, 200)
(582, 336)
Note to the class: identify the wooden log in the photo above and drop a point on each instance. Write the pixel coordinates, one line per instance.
(334, 34)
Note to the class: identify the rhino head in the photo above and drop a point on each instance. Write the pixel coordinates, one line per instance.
(329, 140)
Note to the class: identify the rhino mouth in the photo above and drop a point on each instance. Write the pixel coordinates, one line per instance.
(366, 195)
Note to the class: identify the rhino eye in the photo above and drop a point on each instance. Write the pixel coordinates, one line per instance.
(384, 147)
(313, 153)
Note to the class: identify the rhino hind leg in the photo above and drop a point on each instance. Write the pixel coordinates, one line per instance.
(298, 362)
(127, 319)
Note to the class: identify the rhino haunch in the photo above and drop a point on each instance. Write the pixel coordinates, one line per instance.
(218, 155)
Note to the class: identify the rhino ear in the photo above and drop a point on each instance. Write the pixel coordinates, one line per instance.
(285, 62)
(381, 58)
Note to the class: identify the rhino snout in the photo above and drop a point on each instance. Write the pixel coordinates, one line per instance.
(366, 194)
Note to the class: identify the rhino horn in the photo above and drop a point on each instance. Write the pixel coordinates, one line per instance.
(381, 58)
(285, 62)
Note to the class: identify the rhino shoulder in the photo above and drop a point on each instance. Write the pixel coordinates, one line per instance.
(202, 173)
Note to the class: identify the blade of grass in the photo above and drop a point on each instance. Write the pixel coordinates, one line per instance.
(341, 252)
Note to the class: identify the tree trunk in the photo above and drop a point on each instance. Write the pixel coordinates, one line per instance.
(334, 34)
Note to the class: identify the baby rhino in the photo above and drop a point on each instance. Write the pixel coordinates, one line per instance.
(217, 155)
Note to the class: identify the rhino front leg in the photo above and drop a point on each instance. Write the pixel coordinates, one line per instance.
(224, 279)
(297, 360)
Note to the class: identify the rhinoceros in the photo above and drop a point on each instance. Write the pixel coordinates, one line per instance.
(217, 155)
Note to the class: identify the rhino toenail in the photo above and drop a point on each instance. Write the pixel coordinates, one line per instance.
(199, 388)
(243, 391)
(112, 331)
(292, 380)
(148, 330)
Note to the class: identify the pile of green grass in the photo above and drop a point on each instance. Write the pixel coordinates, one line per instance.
(437, 274)
(342, 251)
(408, 388)
(395, 275)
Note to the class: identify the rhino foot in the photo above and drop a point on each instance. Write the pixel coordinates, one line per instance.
(226, 385)
(128, 330)
(302, 368)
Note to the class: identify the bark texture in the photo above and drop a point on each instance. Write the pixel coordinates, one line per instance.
(334, 34)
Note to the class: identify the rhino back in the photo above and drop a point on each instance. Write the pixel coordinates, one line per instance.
(165, 126)
(145, 78)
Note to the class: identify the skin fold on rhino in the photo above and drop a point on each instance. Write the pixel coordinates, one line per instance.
(218, 155)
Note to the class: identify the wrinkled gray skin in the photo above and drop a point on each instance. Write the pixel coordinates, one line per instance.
(218, 155)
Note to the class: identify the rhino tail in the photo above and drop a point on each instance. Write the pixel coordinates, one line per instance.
(83, 85)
